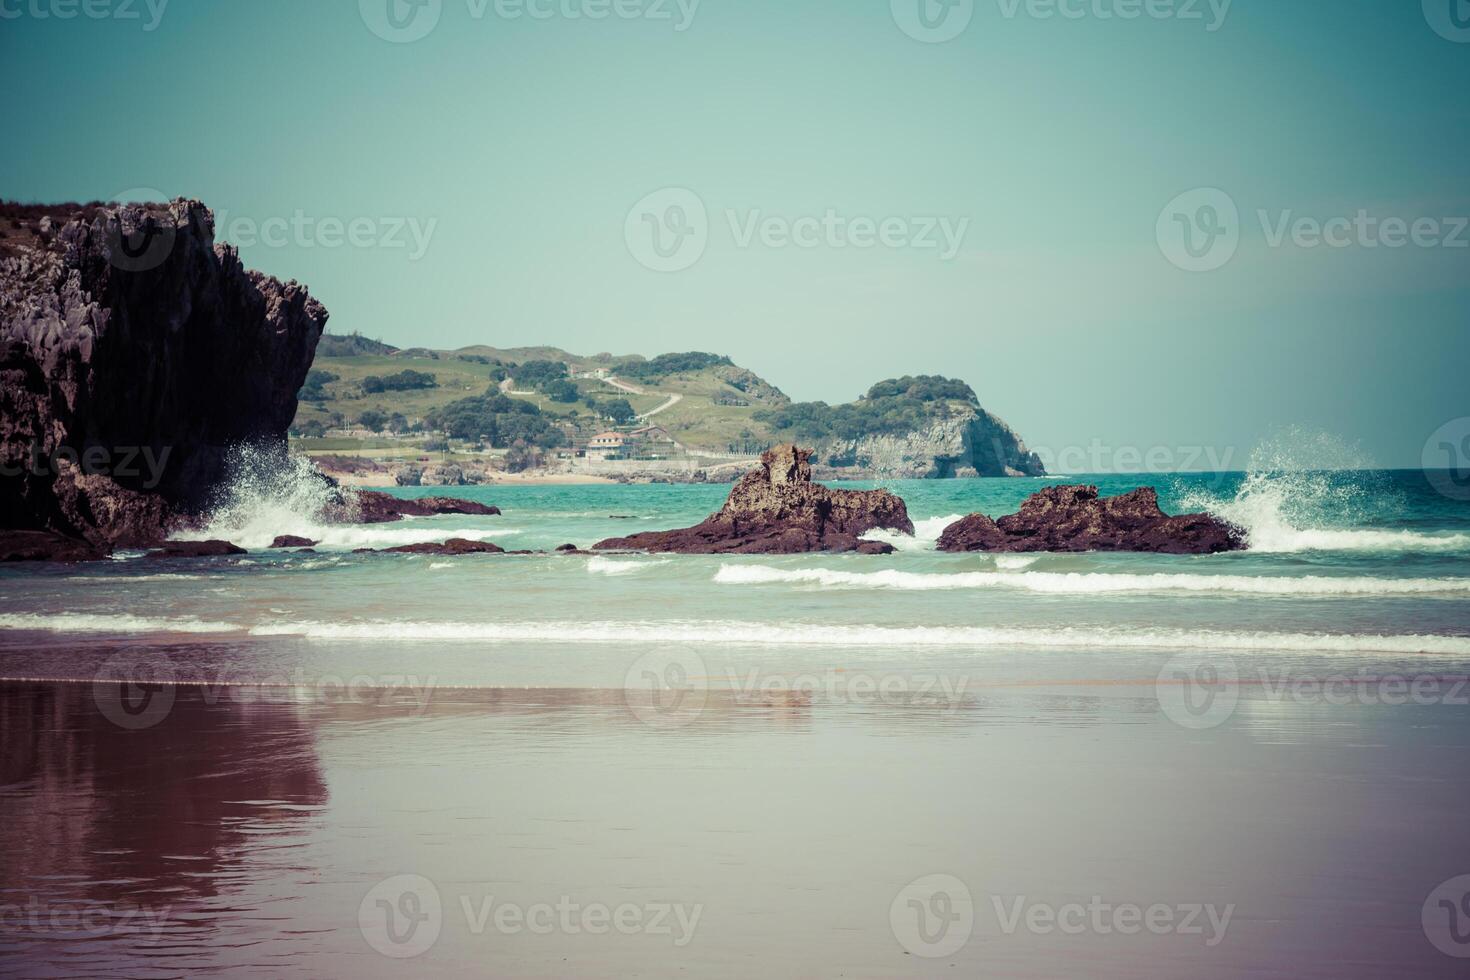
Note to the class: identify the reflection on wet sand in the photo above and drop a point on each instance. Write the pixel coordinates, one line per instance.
(274, 831)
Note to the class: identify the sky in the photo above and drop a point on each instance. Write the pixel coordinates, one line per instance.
(1131, 225)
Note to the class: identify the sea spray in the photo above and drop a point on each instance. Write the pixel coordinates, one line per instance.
(267, 492)
(1306, 491)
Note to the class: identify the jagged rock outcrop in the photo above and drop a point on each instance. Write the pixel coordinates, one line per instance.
(134, 353)
(968, 442)
(45, 546)
(777, 509)
(376, 507)
(1075, 518)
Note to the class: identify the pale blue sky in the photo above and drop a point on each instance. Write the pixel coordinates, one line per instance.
(519, 146)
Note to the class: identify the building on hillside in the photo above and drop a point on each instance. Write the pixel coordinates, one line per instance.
(650, 442)
(605, 446)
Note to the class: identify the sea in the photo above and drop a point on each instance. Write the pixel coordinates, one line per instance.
(336, 762)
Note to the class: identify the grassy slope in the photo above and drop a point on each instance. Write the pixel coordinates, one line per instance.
(696, 421)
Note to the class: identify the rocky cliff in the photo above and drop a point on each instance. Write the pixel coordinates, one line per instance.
(969, 442)
(134, 353)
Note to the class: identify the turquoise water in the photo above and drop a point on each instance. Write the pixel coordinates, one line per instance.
(1359, 564)
(262, 757)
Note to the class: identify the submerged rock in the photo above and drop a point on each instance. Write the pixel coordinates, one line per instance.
(196, 549)
(376, 507)
(777, 509)
(454, 546)
(1075, 518)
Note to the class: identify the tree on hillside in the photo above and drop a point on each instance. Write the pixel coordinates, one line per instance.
(562, 391)
(373, 420)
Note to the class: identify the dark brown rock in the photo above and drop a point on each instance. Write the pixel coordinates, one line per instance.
(291, 541)
(46, 546)
(376, 507)
(1075, 518)
(195, 549)
(135, 353)
(777, 509)
(454, 546)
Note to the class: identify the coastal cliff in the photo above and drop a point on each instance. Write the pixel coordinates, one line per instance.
(969, 442)
(134, 353)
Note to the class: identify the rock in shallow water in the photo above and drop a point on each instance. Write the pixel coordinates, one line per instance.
(376, 507)
(196, 549)
(45, 546)
(1075, 518)
(777, 509)
(454, 546)
(292, 541)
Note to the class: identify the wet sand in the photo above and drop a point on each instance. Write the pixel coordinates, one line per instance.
(1050, 831)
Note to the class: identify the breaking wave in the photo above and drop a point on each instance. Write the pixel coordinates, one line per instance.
(925, 537)
(736, 633)
(608, 566)
(1090, 583)
(110, 623)
(1311, 492)
(269, 493)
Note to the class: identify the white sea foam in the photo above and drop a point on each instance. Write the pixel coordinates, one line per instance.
(1013, 562)
(268, 494)
(1311, 492)
(1088, 583)
(630, 566)
(109, 623)
(734, 633)
(925, 537)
